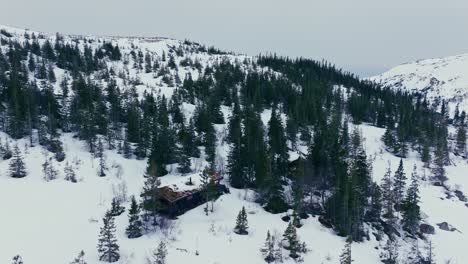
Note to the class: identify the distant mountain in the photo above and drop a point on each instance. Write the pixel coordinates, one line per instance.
(439, 78)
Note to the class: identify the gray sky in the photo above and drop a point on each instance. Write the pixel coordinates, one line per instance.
(363, 36)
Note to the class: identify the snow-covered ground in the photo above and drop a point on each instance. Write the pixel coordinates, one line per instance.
(440, 77)
(50, 222)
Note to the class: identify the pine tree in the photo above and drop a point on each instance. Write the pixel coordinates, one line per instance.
(17, 168)
(102, 159)
(148, 65)
(70, 174)
(345, 257)
(277, 144)
(80, 259)
(430, 258)
(375, 210)
(126, 148)
(116, 208)
(461, 140)
(210, 145)
(184, 163)
(414, 255)
(7, 153)
(274, 196)
(48, 169)
(401, 148)
(388, 195)
(298, 187)
(17, 260)
(390, 253)
(51, 74)
(209, 188)
(235, 157)
(411, 211)
(426, 153)
(399, 184)
(389, 138)
(278, 250)
(438, 168)
(159, 254)
(134, 223)
(150, 190)
(291, 241)
(360, 187)
(268, 250)
(241, 227)
(107, 244)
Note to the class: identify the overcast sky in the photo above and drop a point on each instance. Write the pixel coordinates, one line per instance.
(363, 36)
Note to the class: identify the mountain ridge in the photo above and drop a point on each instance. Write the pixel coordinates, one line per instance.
(437, 78)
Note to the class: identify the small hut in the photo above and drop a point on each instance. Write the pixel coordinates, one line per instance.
(172, 202)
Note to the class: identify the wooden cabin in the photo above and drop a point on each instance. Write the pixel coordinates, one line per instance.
(173, 203)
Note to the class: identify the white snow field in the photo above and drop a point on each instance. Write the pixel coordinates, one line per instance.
(50, 222)
(444, 78)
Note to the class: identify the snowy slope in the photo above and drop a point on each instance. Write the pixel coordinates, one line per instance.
(50, 222)
(446, 78)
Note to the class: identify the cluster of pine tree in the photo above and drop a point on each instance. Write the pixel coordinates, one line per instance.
(306, 99)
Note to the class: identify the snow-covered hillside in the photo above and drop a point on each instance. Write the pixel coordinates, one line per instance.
(439, 78)
(51, 221)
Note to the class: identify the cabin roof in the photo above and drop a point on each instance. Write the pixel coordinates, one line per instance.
(171, 195)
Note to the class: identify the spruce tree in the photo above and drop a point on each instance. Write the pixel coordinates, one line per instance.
(425, 153)
(241, 227)
(150, 190)
(375, 210)
(297, 188)
(126, 148)
(291, 241)
(399, 185)
(411, 210)
(461, 140)
(345, 257)
(7, 153)
(235, 157)
(134, 223)
(268, 249)
(209, 188)
(388, 194)
(210, 145)
(439, 162)
(80, 259)
(184, 163)
(430, 257)
(116, 208)
(102, 159)
(277, 144)
(273, 188)
(70, 174)
(159, 255)
(17, 168)
(390, 253)
(414, 255)
(17, 260)
(360, 187)
(389, 138)
(48, 169)
(107, 244)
